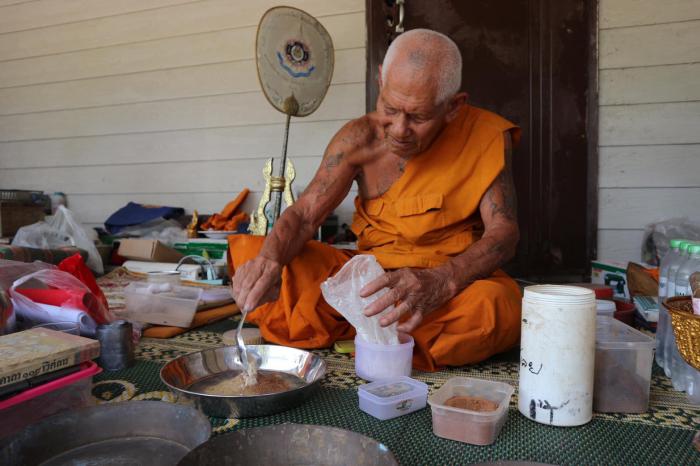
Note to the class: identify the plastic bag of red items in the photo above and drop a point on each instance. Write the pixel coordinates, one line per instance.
(56, 288)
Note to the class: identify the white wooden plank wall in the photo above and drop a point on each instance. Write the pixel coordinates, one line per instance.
(649, 61)
(157, 101)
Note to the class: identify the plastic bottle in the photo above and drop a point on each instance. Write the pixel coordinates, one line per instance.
(674, 266)
(693, 389)
(681, 371)
(669, 338)
(692, 264)
(670, 257)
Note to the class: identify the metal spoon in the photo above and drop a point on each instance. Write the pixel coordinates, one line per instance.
(242, 350)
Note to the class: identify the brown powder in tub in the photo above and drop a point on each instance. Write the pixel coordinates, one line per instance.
(471, 403)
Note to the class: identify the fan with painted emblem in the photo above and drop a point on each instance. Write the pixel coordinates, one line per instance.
(294, 56)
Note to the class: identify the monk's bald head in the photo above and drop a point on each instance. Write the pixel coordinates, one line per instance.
(427, 56)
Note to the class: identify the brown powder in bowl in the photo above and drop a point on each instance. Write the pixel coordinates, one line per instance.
(471, 403)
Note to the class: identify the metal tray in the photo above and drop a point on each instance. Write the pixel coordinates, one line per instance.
(127, 433)
(288, 444)
(181, 373)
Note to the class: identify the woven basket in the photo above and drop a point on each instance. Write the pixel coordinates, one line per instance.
(686, 327)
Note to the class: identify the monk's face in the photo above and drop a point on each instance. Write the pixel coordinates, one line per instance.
(409, 117)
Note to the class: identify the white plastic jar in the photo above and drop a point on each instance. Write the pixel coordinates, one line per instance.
(557, 354)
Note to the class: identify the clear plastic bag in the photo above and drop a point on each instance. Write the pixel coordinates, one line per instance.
(12, 270)
(342, 291)
(167, 232)
(9, 272)
(61, 230)
(657, 236)
(59, 280)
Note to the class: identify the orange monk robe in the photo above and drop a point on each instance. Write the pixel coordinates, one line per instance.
(427, 216)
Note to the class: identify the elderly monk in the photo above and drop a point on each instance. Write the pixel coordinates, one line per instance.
(436, 206)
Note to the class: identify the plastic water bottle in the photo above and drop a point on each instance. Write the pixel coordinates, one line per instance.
(669, 338)
(680, 370)
(674, 266)
(693, 389)
(670, 256)
(692, 264)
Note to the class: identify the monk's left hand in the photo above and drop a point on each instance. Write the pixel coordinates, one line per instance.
(417, 292)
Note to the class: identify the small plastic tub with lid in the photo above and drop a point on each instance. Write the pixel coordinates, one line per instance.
(374, 361)
(470, 410)
(623, 360)
(391, 398)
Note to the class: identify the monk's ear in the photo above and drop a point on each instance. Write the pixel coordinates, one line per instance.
(454, 104)
(379, 77)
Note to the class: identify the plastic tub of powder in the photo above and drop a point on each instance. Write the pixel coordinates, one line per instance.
(392, 398)
(470, 410)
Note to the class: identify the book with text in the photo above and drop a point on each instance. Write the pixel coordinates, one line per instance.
(27, 354)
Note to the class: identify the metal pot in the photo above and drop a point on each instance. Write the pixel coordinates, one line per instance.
(131, 432)
(290, 444)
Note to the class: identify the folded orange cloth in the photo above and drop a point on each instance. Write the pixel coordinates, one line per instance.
(200, 318)
(222, 220)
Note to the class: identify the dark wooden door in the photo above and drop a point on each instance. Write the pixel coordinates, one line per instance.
(533, 62)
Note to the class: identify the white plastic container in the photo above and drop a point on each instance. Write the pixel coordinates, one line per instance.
(557, 354)
(464, 425)
(161, 303)
(624, 357)
(605, 308)
(387, 399)
(382, 362)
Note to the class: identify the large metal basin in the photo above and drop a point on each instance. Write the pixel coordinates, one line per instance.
(185, 371)
(290, 444)
(127, 433)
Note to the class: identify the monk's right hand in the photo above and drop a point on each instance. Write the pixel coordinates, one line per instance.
(256, 282)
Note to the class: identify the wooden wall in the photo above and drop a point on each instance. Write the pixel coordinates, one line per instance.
(156, 101)
(649, 119)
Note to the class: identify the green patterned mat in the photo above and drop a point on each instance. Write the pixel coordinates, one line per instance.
(661, 436)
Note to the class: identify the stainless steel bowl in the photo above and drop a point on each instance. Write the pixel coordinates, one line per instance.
(127, 433)
(287, 444)
(181, 373)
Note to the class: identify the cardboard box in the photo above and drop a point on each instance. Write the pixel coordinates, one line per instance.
(13, 216)
(612, 274)
(150, 250)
